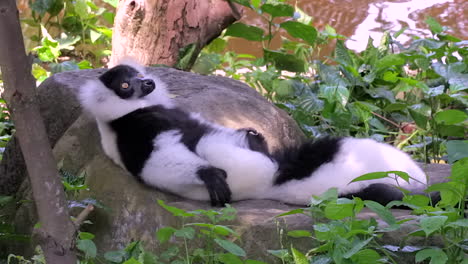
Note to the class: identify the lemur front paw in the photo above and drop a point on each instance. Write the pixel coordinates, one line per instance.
(215, 181)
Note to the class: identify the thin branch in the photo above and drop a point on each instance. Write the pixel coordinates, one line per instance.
(386, 119)
(83, 215)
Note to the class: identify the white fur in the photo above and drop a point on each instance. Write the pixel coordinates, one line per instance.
(355, 158)
(250, 173)
(173, 167)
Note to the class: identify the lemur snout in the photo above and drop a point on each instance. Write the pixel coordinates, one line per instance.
(147, 86)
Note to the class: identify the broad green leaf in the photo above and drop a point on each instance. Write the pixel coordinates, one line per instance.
(342, 54)
(338, 94)
(384, 213)
(164, 234)
(459, 223)
(459, 171)
(244, 31)
(148, 258)
(456, 149)
(283, 88)
(284, 61)
(230, 247)
(279, 253)
(451, 131)
(243, 2)
(81, 9)
(300, 30)
(328, 195)
(115, 256)
(430, 224)
(417, 199)
(299, 233)
(395, 107)
(390, 61)
(420, 113)
(357, 246)
(41, 6)
(278, 9)
(450, 117)
(338, 211)
(366, 256)
(391, 76)
(450, 192)
(434, 26)
(298, 257)
(185, 232)
(229, 258)
(292, 212)
(436, 255)
(88, 247)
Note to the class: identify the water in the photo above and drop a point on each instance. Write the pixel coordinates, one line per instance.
(359, 19)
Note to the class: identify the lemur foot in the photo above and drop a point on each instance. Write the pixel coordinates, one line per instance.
(215, 181)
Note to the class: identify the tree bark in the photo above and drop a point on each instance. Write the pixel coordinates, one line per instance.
(153, 31)
(56, 232)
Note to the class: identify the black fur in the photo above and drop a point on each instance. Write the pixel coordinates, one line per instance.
(379, 192)
(256, 141)
(137, 130)
(122, 74)
(299, 163)
(215, 181)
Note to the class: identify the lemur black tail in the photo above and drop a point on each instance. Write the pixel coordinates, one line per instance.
(296, 163)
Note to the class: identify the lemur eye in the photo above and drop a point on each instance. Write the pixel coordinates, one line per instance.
(125, 85)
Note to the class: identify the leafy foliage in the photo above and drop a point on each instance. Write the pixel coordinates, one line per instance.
(414, 96)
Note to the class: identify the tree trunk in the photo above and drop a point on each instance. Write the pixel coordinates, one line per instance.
(153, 31)
(56, 232)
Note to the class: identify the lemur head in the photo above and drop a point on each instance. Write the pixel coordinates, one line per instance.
(127, 83)
(122, 90)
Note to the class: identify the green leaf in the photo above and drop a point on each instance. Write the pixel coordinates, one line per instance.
(300, 30)
(278, 9)
(459, 223)
(371, 176)
(340, 209)
(164, 234)
(342, 54)
(357, 246)
(366, 256)
(81, 9)
(298, 257)
(113, 3)
(333, 94)
(148, 258)
(384, 213)
(292, 212)
(420, 113)
(434, 26)
(395, 107)
(284, 61)
(390, 61)
(41, 6)
(279, 253)
(250, 261)
(185, 232)
(244, 31)
(243, 2)
(283, 88)
(417, 200)
(174, 210)
(94, 35)
(450, 117)
(230, 247)
(132, 261)
(88, 247)
(86, 235)
(436, 254)
(5, 200)
(456, 149)
(186, 56)
(229, 258)
(299, 233)
(115, 256)
(430, 224)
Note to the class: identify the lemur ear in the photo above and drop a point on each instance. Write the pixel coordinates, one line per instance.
(132, 62)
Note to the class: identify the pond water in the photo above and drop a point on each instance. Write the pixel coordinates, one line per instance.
(359, 19)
